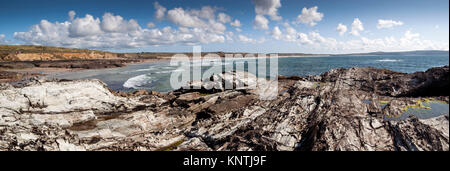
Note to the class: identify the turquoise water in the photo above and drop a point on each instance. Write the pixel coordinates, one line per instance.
(156, 76)
(436, 109)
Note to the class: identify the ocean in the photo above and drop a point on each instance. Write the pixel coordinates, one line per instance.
(156, 76)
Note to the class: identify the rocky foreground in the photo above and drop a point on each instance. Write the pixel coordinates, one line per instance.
(338, 110)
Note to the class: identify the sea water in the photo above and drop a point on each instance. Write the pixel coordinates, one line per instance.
(156, 76)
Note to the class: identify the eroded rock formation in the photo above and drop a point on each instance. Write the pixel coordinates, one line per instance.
(70, 64)
(338, 110)
(58, 56)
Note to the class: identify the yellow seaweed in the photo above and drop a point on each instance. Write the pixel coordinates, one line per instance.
(418, 105)
(171, 147)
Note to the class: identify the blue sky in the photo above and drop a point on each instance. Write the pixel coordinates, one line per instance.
(309, 26)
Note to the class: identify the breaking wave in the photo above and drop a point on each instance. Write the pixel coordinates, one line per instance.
(149, 69)
(170, 71)
(389, 60)
(138, 81)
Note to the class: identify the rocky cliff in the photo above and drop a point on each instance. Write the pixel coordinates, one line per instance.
(343, 109)
(57, 56)
(46, 53)
(14, 57)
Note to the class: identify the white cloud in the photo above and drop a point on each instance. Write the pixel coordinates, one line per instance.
(409, 35)
(261, 22)
(310, 16)
(216, 27)
(180, 17)
(290, 35)
(388, 24)
(229, 36)
(268, 7)
(390, 40)
(341, 29)
(205, 12)
(246, 39)
(314, 41)
(357, 26)
(223, 18)
(81, 27)
(114, 31)
(2, 37)
(203, 19)
(192, 27)
(151, 25)
(236, 23)
(46, 33)
(276, 33)
(71, 15)
(160, 11)
(303, 39)
(316, 37)
(116, 24)
(261, 40)
(265, 7)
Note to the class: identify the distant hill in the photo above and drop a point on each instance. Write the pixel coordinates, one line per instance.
(41, 49)
(406, 53)
(48, 53)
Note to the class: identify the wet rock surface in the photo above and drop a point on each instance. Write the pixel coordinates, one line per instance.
(7, 76)
(343, 109)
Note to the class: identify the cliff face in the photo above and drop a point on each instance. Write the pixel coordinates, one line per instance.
(344, 109)
(33, 53)
(57, 56)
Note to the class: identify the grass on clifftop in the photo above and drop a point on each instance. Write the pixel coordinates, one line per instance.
(41, 49)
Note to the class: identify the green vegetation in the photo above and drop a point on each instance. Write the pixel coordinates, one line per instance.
(204, 94)
(418, 105)
(12, 49)
(319, 84)
(424, 108)
(171, 146)
(434, 100)
(41, 49)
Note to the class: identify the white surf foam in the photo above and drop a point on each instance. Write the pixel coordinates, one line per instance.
(138, 81)
(165, 72)
(389, 60)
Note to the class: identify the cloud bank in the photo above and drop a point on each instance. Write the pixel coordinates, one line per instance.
(207, 24)
(388, 24)
(194, 26)
(314, 40)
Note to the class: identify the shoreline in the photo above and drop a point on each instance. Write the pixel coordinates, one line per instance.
(33, 68)
(51, 67)
(85, 115)
(57, 66)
